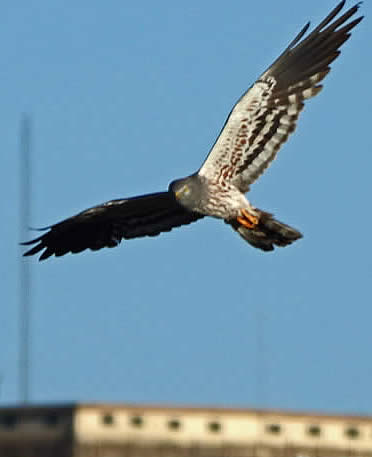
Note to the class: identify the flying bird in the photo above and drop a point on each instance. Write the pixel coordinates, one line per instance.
(257, 126)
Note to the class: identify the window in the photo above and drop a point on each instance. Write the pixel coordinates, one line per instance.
(174, 424)
(108, 419)
(352, 432)
(274, 429)
(214, 427)
(136, 421)
(314, 430)
(8, 420)
(51, 420)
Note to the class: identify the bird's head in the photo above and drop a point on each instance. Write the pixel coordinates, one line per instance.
(188, 191)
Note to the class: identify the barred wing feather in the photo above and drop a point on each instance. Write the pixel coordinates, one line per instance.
(267, 113)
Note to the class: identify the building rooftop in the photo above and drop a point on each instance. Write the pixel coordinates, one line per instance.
(186, 427)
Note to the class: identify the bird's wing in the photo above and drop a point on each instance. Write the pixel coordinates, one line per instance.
(107, 224)
(267, 113)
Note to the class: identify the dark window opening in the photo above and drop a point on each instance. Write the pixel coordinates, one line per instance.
(51, 420)
(274, 429)
(8, 420)
(314, 430)
(214, 427)
(136, 421)
(352, 432)
(174, 424)
(108, 419)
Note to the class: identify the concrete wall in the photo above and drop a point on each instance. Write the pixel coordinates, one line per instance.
(188, 427)
(128, 431)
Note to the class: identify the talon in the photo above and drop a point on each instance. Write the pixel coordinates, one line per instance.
(252, 219)
(248, 220)
(244, 222)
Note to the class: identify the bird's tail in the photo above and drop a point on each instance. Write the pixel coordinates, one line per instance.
(267, 233)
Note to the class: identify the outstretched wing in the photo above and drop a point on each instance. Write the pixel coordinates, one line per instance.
(267, 113)
(106, 225)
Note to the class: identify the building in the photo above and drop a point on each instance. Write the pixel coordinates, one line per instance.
(103, 430)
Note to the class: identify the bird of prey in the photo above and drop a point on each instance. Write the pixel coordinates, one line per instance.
(257, 126)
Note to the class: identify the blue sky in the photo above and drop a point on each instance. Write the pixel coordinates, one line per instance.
(124, 98)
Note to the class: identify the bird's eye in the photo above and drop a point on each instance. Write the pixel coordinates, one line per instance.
(186, 190)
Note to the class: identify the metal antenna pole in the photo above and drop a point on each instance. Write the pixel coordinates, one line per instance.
(260, 361)
(24, 273)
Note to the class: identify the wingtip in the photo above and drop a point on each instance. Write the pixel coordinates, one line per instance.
(33, 250)
(306, 26)
(358, 19)
(39, 229)
(45, 255)
(340, 6)
(30, 242)
(354, 8)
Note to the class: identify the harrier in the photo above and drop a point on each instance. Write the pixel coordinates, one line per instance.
(257, 126)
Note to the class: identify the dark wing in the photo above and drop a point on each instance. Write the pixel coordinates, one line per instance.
(106, 225)
(267, 113)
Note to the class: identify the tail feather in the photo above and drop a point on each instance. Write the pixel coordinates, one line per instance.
(268, 233)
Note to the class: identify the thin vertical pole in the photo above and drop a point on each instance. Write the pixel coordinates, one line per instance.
(260, 358)
(24, 273)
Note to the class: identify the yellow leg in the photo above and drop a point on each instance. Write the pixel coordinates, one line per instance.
(247, 219)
